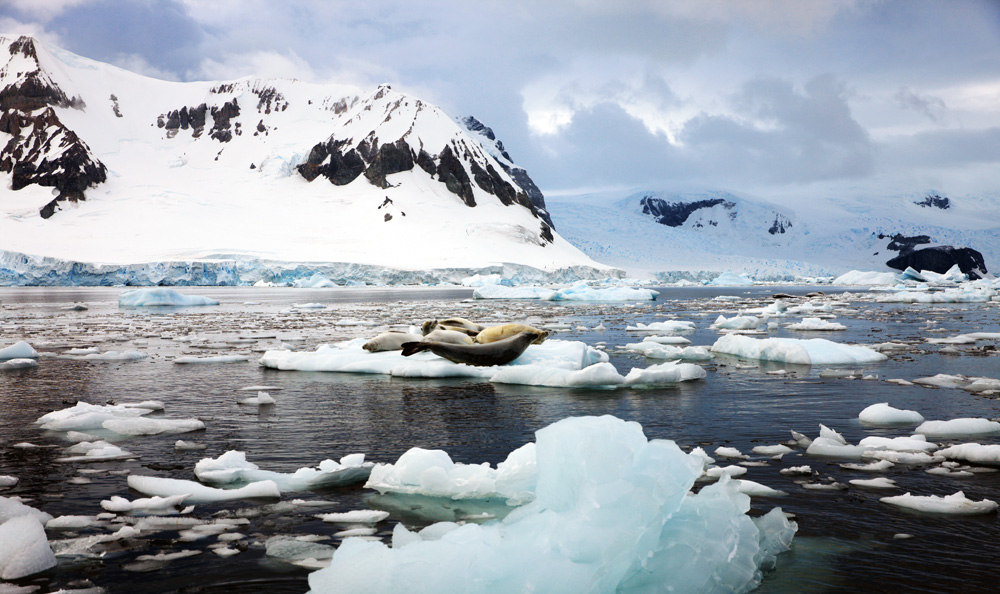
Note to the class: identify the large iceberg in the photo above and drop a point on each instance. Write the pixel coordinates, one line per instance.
(159, 297)
(815, 351)
(578, 292)
(612, 513)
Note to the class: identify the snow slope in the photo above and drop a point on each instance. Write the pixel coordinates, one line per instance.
(767, 240)
(204, 172)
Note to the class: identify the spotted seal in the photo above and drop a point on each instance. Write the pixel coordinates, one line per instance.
(495, 333)
(500, 352)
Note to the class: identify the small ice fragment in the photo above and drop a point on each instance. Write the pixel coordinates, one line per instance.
(729, 452)
(957, 504)
(875, 483)
(360, 516)
(883, 415)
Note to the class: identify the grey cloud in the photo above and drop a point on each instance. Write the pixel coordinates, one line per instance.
(929, 105)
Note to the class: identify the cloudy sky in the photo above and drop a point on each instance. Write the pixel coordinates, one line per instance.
(778, 97)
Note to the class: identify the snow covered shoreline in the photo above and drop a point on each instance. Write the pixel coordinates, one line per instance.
(18, 269)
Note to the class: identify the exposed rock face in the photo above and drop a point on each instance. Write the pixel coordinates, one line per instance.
(935, 201)
(780, 225)
(940, 258)
(42, 150)
(674, 214)
(459, 165)
(519, 175)
(194, 118)
(902, 244)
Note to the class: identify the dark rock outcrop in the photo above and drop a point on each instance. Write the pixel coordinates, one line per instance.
(33, 89)
(328, 160)
(674, 214)
(389, 159)
(941, 258)
(780, 225)
(935, 201)
(903, 244)
(451, 172)
(43, 151)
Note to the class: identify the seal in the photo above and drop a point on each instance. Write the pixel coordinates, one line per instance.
(500, 352)
(495, 333)
(448, 336)
(389, 341)
(456, 324)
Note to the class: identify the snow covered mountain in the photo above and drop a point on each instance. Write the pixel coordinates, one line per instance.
(109, 171)
(696, 235)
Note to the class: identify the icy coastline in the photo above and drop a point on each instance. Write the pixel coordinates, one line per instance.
(19, 269)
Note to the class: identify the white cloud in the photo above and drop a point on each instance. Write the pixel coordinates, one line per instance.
(44, 9)
(15, 28)
(139, 65)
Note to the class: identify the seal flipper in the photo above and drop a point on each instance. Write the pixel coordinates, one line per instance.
(410, 348)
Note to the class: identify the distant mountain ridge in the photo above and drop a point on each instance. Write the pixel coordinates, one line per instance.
(158, 159)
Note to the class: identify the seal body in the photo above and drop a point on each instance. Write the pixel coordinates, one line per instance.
(389, 341)
(448, 336)
(495, 333)
(500, 352)
(456, 324)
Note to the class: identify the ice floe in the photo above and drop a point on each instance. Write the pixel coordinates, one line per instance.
(737, 323)
(874, 483)
(212, 359)
(198, 493)
(973, 452)
(813, 351)
(24, 548)
(656, 350)
(955, 504)
(149, 505)
(861, 277)
(883, 415)
(12, 364)
(816, 325)
(232, 468)
(668, 326)
(579, 292)
(578, 535)
(967, 427)
(161, 297)
(18, 350)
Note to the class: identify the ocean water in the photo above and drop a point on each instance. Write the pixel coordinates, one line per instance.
(847, 539)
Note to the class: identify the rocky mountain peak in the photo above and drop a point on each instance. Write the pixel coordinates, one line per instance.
(25, 85)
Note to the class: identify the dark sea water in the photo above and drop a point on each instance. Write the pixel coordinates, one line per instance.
(846, 539)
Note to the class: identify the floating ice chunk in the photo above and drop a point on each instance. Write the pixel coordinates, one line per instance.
(957, 504)
(72, 522)
(160, 296)
(288, 548)
(942, 380)
(772, 450)
(150, 426)
(502, 292)
(600, 375)
(883, 415)
(913, 458)
(793, 470)
(316, 281)
(755, 489)
(232, 467)
(432, 473)
(18, 350)
(668, 326)
(108, 356)
(151, 505)
(95, 451)
(12, 364)
(962, 295)
(12, 508)
(350, 357)
(7, 481)
(959, 428)
(880, 466)
(260, 399)
(671, 372)
(731, 279)
(732, 471)
(198, 493)
(213, 359)
(729, 452)
(973, 452)
(916, 443)
(875, 483)
(24, 548)
(582, 292)
(831, 486)
(814, 351)
(358, 516)
(655, 350)
(308, 306)
(983, 384)
(800, 439)
(180, 444)
(83, 416)
(832, 444)
(859, 277)
(816, 325)
(671, 340)
(736, 323)
(611, 514)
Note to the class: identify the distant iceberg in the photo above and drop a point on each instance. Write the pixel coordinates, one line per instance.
(161, 297)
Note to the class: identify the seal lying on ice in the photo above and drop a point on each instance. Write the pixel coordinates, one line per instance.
(390, 341)
(456, 324)
(495, 333)
(500, 352)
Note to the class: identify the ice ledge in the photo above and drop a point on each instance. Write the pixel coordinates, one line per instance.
(18, 269)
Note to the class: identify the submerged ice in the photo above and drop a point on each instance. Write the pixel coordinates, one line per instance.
(612, 513)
